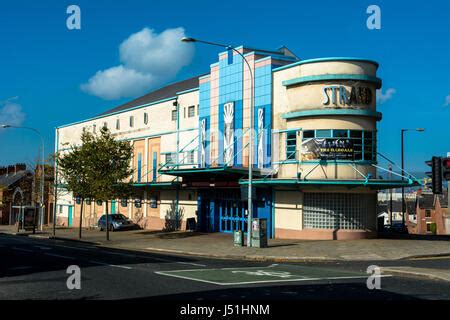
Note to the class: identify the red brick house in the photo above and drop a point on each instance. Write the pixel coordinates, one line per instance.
(431, 214)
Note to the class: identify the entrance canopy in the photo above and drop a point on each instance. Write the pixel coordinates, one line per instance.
(217, 173)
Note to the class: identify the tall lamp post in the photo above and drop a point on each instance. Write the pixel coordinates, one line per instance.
(41, 211)
(403, 169)
(250, 153)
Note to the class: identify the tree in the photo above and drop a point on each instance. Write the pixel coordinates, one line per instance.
(111, 162)
(98, 169)
(75, 168)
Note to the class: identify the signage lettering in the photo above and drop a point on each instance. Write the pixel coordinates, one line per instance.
(356, 95)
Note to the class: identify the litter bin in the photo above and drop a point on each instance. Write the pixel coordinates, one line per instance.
(259, 233)
(238, 238)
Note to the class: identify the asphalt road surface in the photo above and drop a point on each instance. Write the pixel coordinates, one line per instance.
(32, 268)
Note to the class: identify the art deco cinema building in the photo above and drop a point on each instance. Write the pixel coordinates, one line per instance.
(315, 148)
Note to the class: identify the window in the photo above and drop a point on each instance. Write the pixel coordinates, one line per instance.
(191, 111)
(189, 157)
(105, 125)
(174, 115)
(428, 213)
(170, 158)
(323, 134)
(131, 121)
(118, 124)
(94, 128)
(428, 227)
(139, 167)
(145, 118)
(291, 145)
(338, 210)
(60, 209)
(362, 142)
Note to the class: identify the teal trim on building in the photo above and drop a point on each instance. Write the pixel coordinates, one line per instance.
(187, 91)
(332, 112)
(326, 60)
(375, 183)
(328, 77)
(286, 130)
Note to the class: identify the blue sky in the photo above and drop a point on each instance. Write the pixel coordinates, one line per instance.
(43, 64)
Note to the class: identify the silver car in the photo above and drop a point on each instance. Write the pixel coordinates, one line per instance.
(115, 222)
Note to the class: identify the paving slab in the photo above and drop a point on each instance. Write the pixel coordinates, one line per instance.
(219, 245)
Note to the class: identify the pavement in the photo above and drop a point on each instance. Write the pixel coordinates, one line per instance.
(40, 268)
(220, 245)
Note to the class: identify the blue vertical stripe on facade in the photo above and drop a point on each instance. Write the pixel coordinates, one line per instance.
(231, 90)
(263, 100)
(204, 113)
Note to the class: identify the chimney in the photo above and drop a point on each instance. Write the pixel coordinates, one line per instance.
(3, 170)
(21, 167)
(11, 170)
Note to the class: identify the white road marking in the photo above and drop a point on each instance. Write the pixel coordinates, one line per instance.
(138, 256)
(192, 264)
(43, 248)
(262, 281)
(76, 248)
(60, 256)
(21, 268)
(24, 250)
(110, 265)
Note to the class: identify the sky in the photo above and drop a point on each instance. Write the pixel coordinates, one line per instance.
(52, 75)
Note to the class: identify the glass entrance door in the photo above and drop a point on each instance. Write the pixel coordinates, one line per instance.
(232, 215)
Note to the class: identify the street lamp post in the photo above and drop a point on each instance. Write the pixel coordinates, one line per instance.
(41, 211)
(250, 153)
(403, 169)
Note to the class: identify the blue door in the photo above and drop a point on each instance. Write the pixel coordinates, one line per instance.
(69, 216)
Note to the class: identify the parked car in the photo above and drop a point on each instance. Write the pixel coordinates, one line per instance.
(115, 222)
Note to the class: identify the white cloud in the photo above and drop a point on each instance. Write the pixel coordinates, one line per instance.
(383, 97)
(148, 60)
(11, 113)
(447, 101)
(117, 82)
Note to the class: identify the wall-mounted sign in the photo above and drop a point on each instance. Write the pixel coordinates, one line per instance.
(124, 202)
(334, 95)
(327, 149)
(99, 202)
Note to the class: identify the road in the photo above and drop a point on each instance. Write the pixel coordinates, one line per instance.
(33, 268)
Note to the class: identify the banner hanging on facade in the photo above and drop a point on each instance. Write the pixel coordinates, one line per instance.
(327, 149)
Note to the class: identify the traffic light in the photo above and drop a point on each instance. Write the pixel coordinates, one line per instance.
(435, 174)
(446, 168)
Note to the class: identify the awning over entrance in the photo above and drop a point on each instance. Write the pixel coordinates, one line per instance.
(227, 172)
(157, 185)
(375, 184)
